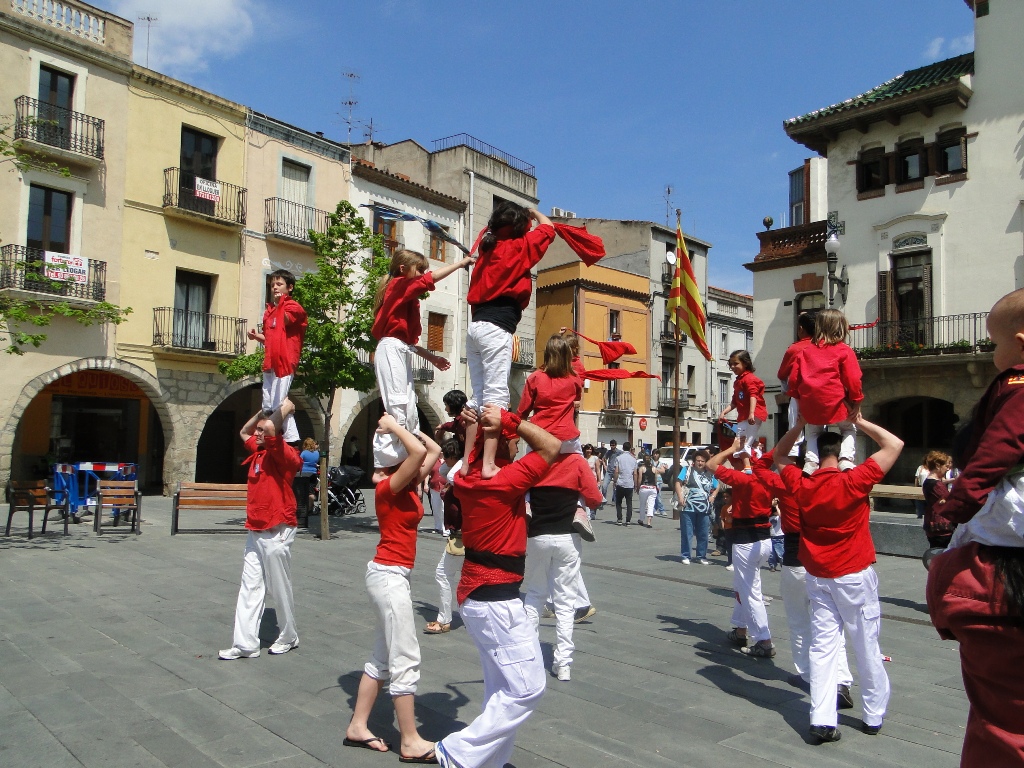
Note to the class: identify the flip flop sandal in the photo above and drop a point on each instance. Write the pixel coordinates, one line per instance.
(366, 743)
(436, 628)
(427, 758)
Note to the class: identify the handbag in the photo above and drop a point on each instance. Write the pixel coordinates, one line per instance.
(454, 547)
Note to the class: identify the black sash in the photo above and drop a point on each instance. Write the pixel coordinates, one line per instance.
(510, 563)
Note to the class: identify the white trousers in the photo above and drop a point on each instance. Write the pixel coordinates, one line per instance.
(847, 449)
(749, 611)
(794, 415)
(553, 568)
(437, 508)
(489, 357)
(647, 496)
(275, 390)
(793, 585)
(850, 601)
(582, 596)
(392, 363)
(396, 649)
(447, 573)
(266, 567)
(746, 437)
(514, 683)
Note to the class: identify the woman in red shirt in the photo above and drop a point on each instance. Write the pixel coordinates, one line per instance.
(748, 402)
(396, 649)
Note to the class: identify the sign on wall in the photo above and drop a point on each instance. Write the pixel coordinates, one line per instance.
(65, 267)
(207, 190)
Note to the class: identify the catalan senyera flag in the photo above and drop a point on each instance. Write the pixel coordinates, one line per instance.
(685, 309)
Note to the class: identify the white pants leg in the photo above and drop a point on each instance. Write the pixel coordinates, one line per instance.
(392, 363)
(850, 601)
(746, 437)
(794, 415)
(489, 357)
(582, 595)
(647, 496)
(449, 567)
(275, 390)
(437, 507)
(396, 649)
(848, 447)
(554, 570)
(746, 582)
(793, 586)
(514, 682)
(266, 567)
(811, 432)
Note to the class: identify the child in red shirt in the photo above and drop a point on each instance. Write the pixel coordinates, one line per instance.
(396, 649)
(397, 327)
(826, 380)
(551, 394)
(499, 291)
(284, 328)
(804, 334)
(748, 402)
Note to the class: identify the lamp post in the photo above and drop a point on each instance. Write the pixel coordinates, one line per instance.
(832, 261)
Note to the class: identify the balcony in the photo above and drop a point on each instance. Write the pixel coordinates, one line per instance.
(422, 371)
(465, 140)
(522, 352)
(292, 221)
(667, 273)
(178, 329)
(58, 276)
(617, 400)
(365, 358)
(802, 244)
(193, 197)
(668, 334)
(58, 132)
(668, 396)
(942, 335)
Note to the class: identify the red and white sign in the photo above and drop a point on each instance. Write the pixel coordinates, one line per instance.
(207, 190)
(63, 266)
(643, 424)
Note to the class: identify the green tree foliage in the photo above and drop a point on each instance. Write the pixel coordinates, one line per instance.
(338, 298)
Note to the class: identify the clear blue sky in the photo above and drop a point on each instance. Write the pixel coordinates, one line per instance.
(609, 100)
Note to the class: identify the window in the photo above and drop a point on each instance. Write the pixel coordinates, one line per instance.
(388, 229)
(435, 331)
(909, 285)
(691, 375)
(198, 160)
(872, 170)
(725, 345)
(438, 245)
(191, 307)
(724, 395)
(796, 197)
(911, 161)
(952, 151)
(295, 182)
(612, 393)
(49, 219)
(56, 90)
(613, 324)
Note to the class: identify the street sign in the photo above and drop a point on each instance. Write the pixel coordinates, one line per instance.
(643, 424)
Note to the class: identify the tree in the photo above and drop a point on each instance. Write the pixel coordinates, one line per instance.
(19, 316)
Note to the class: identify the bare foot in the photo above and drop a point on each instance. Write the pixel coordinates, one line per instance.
(416, 747)
(363, 736)
(487, 471)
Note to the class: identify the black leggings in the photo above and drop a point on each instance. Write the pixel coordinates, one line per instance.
(620, 494)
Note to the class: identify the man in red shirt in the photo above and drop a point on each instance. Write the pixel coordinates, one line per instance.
(837, 551)
(270, 518)
(494, 528)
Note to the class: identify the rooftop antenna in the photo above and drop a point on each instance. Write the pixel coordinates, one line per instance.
(150, 21)
(368, 131)
(668, 204)
(351, 101)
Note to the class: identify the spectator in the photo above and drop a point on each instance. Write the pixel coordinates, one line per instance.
(936, 490)
(696, 489)
(624, 472)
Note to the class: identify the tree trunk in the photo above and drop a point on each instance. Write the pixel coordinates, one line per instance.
(325, 518)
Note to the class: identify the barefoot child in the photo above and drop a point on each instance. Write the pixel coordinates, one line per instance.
(748, 402)
(397, 329)
(284, 328)
(396, 650)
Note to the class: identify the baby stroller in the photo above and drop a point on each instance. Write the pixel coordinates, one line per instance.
(343, 494)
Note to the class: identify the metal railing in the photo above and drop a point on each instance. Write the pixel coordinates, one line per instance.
(181, 329)
(667, 273)
(207, 197)
(465, 140)
(617, 400)
(792, 241)
(26, 269)
(523, 352)
(58, 127)
(293, 220)
(422, 371)
(667, 397)
(668, 333)
(365, 358)
(944, 334)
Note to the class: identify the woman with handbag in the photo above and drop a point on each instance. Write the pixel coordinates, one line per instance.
(696, 489)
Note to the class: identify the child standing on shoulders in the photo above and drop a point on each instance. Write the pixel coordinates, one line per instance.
(748, 402)
(804, 334)
(499, 291)
(827, 382)
(397, 327)
(284, 328)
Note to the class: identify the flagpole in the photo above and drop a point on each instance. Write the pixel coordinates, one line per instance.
(675, 417)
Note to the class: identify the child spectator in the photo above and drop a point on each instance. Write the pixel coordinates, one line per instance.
(454, 401)
(826, 381)
(397, 329)
(804, 334)
(748, 402)
(284, 328)
(499, 291)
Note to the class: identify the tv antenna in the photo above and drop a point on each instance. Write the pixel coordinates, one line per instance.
(668, 204)
(368, 130)
(351, 102)
(150, 21)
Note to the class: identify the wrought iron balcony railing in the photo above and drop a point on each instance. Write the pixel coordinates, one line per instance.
(667, 272)
(209, 198)
(58, 127)
(667, 397)
(944, 334)
(668, 333)
(422, 371)
(293, 220)
(465, 140)
(58, 274)
(180, 329)
(617, 400)
(522, 352)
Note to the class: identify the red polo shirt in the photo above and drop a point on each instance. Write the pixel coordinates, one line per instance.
(505, 271)
(399, 514)
(553, 402)
(269, 498)
(789, 512)
(751, 506)
(825, 376)
(748, 387)
(284, 328)
(789, 359)
(399, 313)
(835, 533)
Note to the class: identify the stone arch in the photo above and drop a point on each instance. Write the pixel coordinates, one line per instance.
(146, 382)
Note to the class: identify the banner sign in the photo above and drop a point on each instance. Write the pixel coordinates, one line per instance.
(207, 190)
(62, 266)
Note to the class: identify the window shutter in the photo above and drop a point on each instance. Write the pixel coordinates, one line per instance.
(886, 313)
(926, 287)
(963, 153)
(435, 331)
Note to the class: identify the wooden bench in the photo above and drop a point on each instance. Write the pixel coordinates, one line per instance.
(30, 495)
(228, 497)
(906, 492)
(123, 499)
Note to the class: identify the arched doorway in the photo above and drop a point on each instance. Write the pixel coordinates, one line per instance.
(924, 424)
(362, 429)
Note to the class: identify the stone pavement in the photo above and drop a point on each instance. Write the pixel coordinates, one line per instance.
(108, 657)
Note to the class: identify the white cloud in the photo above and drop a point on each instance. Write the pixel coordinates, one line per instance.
(934, 49)
(960, 45)
(189, 34)
(941, 48)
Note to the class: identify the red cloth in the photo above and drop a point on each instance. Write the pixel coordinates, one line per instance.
(748, 387)
(611, 350)
(967, 602)
(996, 445)
(608, 374)
(399, 514)
(824, 376)
(570, 470)
(590, 248)
(284, 328)
(751, 505)
(553, 403)
(494, 518)
(789, 362)
(789, 512)
(270, 501)
(835, 536)
(399, 313)
(505, 271)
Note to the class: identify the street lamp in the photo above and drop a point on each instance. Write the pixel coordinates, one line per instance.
(832, 260)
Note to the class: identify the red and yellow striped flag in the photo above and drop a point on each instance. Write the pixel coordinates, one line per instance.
(685, 309)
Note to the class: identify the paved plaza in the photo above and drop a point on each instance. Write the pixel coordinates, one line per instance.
(108, 657)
